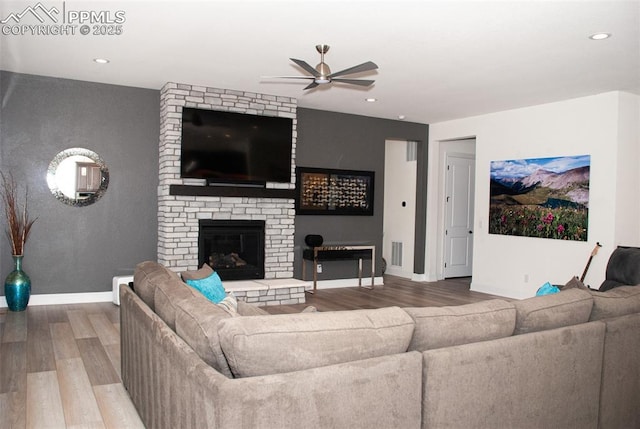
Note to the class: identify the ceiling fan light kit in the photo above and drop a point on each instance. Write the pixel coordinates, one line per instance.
(321, 73)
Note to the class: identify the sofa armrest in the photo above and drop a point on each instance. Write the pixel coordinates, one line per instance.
(170, 386)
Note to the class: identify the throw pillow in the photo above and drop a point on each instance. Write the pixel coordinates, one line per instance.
(574, 283)
(211, 287)
(204, 272)
(229, 304)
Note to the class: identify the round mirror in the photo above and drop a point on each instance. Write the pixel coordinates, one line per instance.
(77, 177)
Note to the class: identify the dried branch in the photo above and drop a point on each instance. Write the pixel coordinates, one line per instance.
(18, 223)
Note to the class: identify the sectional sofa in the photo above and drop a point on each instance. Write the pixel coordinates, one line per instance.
(568, 360)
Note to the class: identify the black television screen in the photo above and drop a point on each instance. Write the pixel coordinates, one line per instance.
(229, 147)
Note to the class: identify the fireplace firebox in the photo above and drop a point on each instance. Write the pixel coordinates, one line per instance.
(233, 248)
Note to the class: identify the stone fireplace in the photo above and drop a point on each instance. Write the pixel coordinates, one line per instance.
(180, 213)
(233, 248)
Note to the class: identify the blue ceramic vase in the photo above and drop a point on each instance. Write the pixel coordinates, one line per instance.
(17, 287)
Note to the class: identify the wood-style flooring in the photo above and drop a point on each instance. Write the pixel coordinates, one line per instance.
(60, 364)
(60, 368)
(396, 291)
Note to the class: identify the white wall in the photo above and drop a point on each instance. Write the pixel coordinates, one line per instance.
(627, 189)
(604, 126)
(399, 222)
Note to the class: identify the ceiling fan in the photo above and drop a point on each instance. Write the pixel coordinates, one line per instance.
(321, 74)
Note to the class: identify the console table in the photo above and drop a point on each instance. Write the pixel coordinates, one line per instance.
(335, 253)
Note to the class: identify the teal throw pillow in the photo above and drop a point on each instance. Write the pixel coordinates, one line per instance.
(210, 286)
(547, 289)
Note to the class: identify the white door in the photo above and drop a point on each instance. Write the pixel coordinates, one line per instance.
(459, 198)
(399, 218)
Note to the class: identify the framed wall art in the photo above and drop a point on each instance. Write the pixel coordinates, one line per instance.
(321, 191)
(540, 197)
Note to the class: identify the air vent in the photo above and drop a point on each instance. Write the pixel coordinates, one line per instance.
(396, 253)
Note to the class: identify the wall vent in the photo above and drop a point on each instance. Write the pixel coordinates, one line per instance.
(412, 151)
(396, 253)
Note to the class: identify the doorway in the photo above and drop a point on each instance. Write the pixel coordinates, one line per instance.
(459, 198)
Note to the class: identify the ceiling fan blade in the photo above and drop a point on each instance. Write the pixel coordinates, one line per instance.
(306, 67)
(311, 85)
(356, 69)
(361, 82)
(287, 77)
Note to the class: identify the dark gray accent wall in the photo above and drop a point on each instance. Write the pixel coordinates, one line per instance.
(80, 249)
(420, 235)
(351, 142)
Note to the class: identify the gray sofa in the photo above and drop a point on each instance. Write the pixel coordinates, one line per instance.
(568, 360)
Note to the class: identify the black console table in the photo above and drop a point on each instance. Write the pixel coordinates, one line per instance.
(336, 253)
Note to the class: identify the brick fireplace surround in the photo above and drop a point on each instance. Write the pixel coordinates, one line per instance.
(178, 215)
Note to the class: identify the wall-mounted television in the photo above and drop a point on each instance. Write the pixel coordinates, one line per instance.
(235, 148)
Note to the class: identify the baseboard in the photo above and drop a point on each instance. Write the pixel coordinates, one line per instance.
(65, 298)
(419, 277)
(82, 298)
(399, 272)
(493, 290)
(429, 277)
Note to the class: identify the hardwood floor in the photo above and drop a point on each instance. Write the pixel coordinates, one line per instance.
(60, 364)
(396, 291)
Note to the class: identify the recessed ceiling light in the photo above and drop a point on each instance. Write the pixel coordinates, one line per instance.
(101, 60)
(600, 36)
(371, 100)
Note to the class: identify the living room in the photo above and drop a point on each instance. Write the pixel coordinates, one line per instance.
(512, 80)
(74, 252)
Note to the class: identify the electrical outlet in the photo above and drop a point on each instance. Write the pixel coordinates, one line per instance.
(319, 268)
(526, 278)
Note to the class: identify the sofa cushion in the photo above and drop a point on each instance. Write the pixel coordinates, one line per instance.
(450, 326)
(565, 308)
(276, 344)
(197, 323)
(167, 295)
(616, 302)
(147, 276)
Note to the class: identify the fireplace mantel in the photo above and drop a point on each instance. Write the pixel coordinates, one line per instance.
(230, 191)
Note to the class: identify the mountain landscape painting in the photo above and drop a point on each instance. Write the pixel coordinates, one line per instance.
(540, 197)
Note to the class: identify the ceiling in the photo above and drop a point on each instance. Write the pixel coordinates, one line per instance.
(438, 60)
